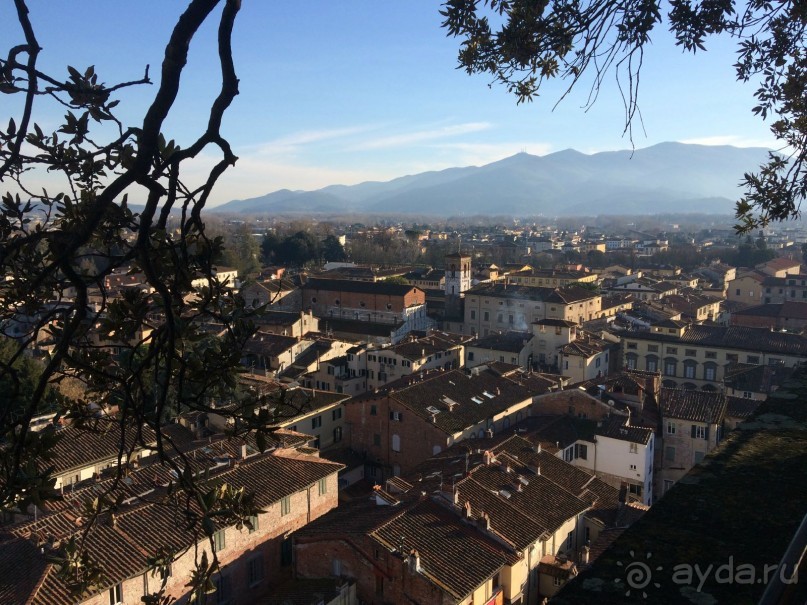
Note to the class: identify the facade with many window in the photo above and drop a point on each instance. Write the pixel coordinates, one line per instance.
(695, 357)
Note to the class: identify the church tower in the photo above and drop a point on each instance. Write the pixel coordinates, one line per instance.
(458, 280)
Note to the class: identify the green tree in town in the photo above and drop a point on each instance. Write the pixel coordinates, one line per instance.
(522, 44)
(168, 359)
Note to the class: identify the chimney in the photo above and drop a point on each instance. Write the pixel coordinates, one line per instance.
(466, 510)
(487, 457)
(584, 556)
(538, 471)
(486, 520)
(244, 451)
(414, 560)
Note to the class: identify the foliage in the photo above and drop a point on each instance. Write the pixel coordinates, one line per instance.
(522, 44)
(61, 250)
(332, 250)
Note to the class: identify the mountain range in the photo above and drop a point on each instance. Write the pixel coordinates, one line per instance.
(665, 178)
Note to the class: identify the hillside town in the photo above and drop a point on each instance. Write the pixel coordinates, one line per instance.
(464, 433)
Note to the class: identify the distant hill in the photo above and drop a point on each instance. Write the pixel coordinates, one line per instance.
(665, 178)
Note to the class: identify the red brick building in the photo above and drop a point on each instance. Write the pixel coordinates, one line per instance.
(423, 414)
(291, 488)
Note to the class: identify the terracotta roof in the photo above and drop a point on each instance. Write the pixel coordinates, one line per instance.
(78, 448)
(618, 427)
(735, 337)
(692, 405)
(739, 407)
(511, 342)
(454, 556)
(360, 287)
(463, 399)
(121, 544)
(269, 345)
(786, 310)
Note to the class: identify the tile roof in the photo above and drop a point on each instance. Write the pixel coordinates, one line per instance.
(463, 399)
(619, 427)
(692, 405)
(359, 287)
(121, 543)
(79, 448)
(511, 342)
(739, 407)
(453, 555)
(735, 337)
(786, 310)
(267, 344)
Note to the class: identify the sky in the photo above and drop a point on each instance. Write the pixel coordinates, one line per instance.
(357, 90)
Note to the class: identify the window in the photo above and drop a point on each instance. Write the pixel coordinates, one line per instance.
(633, 467)
(285, 506)
(337, 434)
(473, 314)
(709, 372)
(636, 490)
(224, 590)
(373, 409)
(669, 453)
(255, 570)
(698, 457)
(286, 552)
(700, 432)
(323, 486)
(556, 581)
(669, 367)
(711, 354)
(219, 541)
(116, 594)
(581, 451)
(630, 361)
(253, 523)
(652, 364)
(486, 316)
(376, 439)
(336, 414)
(470, 355)
(753, 359)
(689, 369)
(396, 416)
(652, 348)
(672, 350)
(670, 427)
(316, 422)
(630, 345)
(690, 352)
(396, 443)
(634, 448)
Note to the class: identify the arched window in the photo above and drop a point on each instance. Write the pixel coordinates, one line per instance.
(670, 366)
(710, 371)
(688, 386)
(651, 363)
(690, 368)
(631, 360)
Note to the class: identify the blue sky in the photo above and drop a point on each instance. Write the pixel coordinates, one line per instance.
(356, 90)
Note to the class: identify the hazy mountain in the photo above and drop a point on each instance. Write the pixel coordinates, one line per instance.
(665, 178)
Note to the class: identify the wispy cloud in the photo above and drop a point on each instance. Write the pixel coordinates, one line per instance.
(421, 136)
(297, 140)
